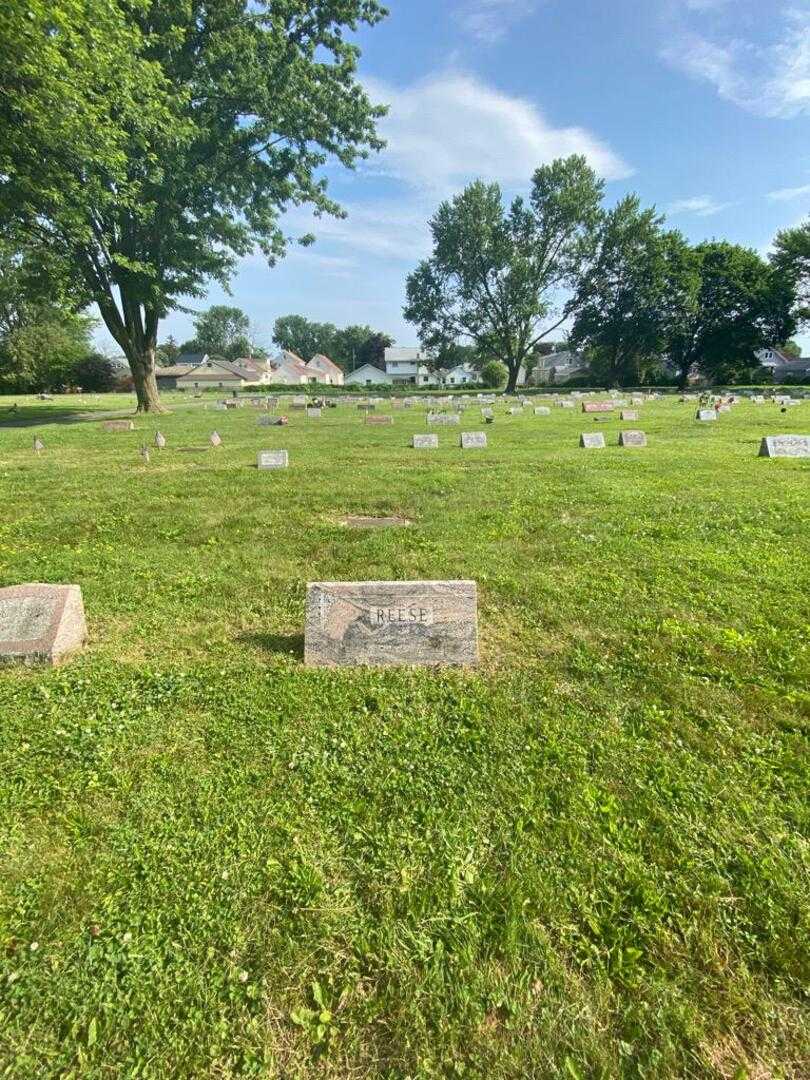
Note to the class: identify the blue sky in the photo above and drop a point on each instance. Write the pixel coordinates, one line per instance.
(701, 106)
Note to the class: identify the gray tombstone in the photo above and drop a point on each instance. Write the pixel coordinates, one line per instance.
(516, 410)
(628, 414)
(160, 440)
(379, 420)
(542, 410)
(272, 459)
(119, 425)
(443, 418)
(391, 623)
(425, 442)
(314, 413)
(706, 414)
(41, 623)
(145, 454)
(215, 439)
(39, 446)
(487, 413)
(592, 440)
(267, 421)
(473, 440)
(785, 446)
(632, 438)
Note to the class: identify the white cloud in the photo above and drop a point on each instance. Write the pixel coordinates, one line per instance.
(490, 20)
(785, 194)
(447, 129)
(769, 76)
(388, 229)
(699, 205)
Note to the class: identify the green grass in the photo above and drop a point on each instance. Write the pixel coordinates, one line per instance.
(587, 858)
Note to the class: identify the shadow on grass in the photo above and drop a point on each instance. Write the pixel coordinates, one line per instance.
(36, 417)
(276, 644)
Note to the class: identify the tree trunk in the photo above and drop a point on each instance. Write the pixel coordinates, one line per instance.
(511, 382)
(143, 375)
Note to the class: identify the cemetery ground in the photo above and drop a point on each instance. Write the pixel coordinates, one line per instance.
(584, 858)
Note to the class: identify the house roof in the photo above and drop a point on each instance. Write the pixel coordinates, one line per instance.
(321, 361)
(191, 358)
(174, 371)
(217, 369)
(372, 368)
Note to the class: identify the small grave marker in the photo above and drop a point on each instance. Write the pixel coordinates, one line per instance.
(39, 446)
(272, 459)
(379, 420)
(598, 406)
(215, 439)
(542, 410)
(41, 623)
(632, 438)
(706, 414)
(628, 414)
(145, 454)
(473, 440)
(443, 418)
(391, 623)
(314, 413)
(425, 442)
(119, 425)
(160, 440)
(794, 446)
(592, 440)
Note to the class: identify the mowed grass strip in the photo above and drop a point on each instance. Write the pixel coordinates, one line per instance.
(587, 858)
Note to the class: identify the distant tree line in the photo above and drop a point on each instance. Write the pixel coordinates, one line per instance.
(349, 347)
(641, 303)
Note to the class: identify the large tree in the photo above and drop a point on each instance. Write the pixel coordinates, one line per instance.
(502, 278)
(791, 255)
(305, 338)
(639, 278)
(223, 330)
(150, 144)
(741, 305)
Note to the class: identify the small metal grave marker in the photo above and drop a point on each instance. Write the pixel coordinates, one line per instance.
(215, 439)
(39, 446)
(794, 446)
(272, 459)
(425, 442)
(391, 623)
(592, 440)
(473, 440)
(145, 454)
(41, 623)
(632, 438)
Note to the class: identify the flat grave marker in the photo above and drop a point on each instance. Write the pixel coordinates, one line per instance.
(628, 414)
(706, 414)
(443, 418)
(542, 410)
(41, 623)
(379, 420)
(272, 459)
(119, 425)
(391, 623)
(598, 406)
(314, 413)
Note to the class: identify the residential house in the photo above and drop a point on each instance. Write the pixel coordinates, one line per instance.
(782, 366)
(407, 366)
(558, 367)
(324, 371)
(368, 375)
(460, 375)
(220, 374)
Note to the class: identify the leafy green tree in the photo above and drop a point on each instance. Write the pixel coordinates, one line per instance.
(792, 348)
(741, 305)
(43, 351)
(223, 331)
(494, 374)
(791, 255)
(496, 273)
(640, 277)
(94, 372)
(297, 334)
(167, 352)
(150, 145)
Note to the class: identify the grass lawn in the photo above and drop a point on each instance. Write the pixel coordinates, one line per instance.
(586, 858)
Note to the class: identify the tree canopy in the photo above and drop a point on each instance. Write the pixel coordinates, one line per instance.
(348, 347)
(223, 330)
(148, 146)
(501, 278)
(791, 255)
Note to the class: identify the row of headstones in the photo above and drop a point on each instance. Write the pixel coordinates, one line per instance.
(425, 623)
